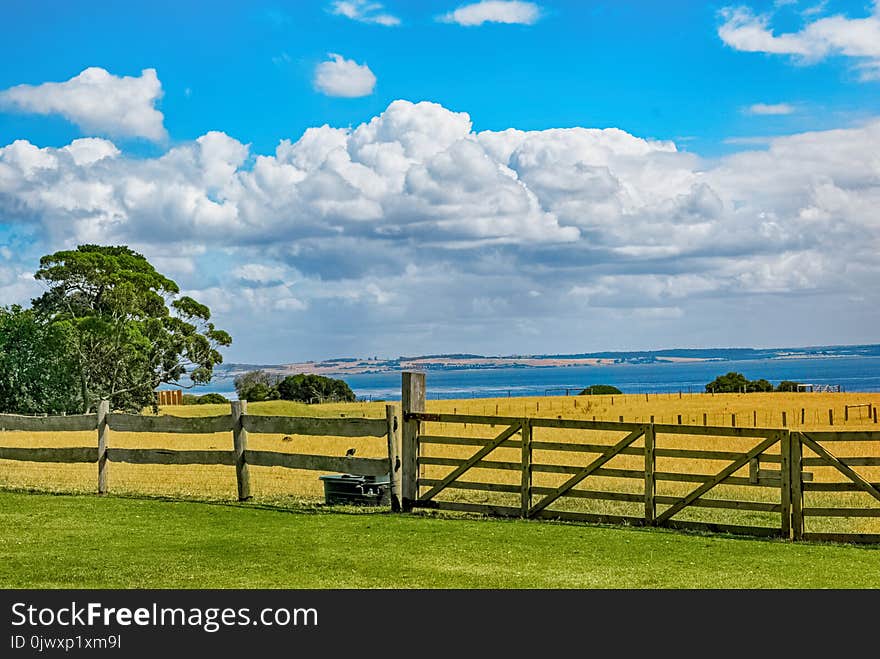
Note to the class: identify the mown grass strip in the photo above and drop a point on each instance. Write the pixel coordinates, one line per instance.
(70, 541)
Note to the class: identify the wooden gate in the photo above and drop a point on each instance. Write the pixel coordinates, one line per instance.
(835, 456)
(744, 480)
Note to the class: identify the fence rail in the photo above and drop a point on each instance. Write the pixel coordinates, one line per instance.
(239, 423)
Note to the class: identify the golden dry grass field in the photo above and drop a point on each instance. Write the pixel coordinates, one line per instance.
(803, 411)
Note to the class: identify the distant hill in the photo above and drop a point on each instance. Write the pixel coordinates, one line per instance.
(349, 365)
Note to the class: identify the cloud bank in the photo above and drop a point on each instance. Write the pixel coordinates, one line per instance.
(412, 232)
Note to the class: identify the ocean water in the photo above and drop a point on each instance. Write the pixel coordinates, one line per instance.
(850, 373)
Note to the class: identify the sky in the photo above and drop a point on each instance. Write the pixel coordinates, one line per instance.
(348, 178)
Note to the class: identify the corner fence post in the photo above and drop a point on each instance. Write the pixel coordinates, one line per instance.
(650, 478)
(412, 400)
(392, 416)
(103, 443)
(239, 446)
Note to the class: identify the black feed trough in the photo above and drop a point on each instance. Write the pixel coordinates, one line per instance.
(351, 490)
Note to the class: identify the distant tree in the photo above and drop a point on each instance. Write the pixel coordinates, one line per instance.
(728, 383)
(599, 389)
(309, 388)
(127, 328)
(759, 386)
(37, 374)
(787, 385)
(211, 399)
(257, 386)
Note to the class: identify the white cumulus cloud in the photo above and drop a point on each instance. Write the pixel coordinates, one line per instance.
(364, 11)
(343, 77)
(494, 11)
(96, 101)
(858, 38)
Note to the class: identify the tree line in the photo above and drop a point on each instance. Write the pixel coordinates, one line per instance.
(736, 383)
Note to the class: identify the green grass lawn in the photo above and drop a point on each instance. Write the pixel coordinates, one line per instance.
(85, 541)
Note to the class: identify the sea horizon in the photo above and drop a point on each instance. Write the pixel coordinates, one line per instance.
(849, 373)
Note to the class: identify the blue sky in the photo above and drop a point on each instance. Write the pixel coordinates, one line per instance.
(653, 69)
(717, 183)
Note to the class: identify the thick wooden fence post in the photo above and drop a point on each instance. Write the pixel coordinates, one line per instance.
(239, 445)
(526, 482)
(103, 443)
(392, 415)
(797, 492)
(650, 479)
(413, 400)
(785, 472)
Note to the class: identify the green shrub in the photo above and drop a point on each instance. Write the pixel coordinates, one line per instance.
(599, 389)
(211, 399)
(310, 388)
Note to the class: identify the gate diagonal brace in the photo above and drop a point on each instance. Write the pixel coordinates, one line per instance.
(586, 471)
(720, 476)
(474, 459)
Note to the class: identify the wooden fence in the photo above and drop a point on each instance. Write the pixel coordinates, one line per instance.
(759, 481)
(238, 423)
(766, 468)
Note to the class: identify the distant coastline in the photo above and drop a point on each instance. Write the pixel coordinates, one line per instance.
(343, 366)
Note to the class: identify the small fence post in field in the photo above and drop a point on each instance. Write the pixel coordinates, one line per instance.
(239, 445)
(392, 415)
(831, 417)
(412, 399)
(650, 479)
(103, 443)
(526, 482)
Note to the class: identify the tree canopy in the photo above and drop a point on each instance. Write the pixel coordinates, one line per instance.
(115, 328)
(256, 386)
(36, 375)
(310, 388)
